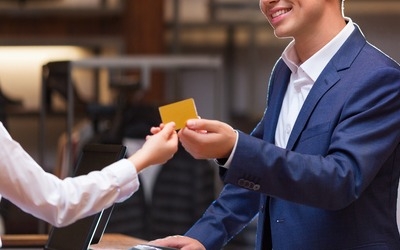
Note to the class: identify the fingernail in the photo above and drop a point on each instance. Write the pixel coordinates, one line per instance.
(190, 123)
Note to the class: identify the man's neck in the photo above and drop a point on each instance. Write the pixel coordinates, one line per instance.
(306, 45)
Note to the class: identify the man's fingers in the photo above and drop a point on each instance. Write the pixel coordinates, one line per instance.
(178, 241)
(170, 241)
(201, 124)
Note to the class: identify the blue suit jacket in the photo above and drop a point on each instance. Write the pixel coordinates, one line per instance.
(335, 185)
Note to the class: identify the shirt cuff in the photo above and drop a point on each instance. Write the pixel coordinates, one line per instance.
(225, 163)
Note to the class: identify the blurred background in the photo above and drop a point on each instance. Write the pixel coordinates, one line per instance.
(225, 51)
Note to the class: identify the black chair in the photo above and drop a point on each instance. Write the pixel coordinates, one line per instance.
(130, 217)
(183, 189)
(55, 80)
(7, 105)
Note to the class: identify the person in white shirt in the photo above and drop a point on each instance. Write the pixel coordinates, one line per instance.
(62, 202)
(321, 169)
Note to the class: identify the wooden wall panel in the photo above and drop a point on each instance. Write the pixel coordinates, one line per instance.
(144, 33)
(140, 25)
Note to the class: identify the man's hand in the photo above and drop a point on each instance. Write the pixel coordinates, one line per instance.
(180, 242)
(207, 139)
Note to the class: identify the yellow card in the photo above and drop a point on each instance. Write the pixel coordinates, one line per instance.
(178, 112)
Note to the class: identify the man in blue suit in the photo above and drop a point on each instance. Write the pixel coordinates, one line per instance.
(321, 169)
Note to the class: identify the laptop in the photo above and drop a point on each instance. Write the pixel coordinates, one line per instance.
(84, 232)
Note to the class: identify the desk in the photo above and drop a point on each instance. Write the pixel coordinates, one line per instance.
(23, 240)
(116, 242)
(37, 241)
(145, 64)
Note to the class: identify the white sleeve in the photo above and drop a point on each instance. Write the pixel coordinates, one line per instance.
(60, 202)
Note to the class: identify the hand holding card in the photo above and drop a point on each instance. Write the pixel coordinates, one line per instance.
(178, 112)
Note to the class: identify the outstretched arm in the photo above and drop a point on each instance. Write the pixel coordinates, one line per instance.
(61, 202)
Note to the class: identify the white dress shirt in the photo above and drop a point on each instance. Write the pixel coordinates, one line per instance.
(60, 202)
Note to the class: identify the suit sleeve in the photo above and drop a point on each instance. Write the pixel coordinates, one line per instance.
(335, 158)
(225, 217)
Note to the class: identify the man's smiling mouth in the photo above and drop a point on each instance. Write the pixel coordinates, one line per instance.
(280, 12)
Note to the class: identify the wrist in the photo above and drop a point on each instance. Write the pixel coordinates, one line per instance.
(139, 160)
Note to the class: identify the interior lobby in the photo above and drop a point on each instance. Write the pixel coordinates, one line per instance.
(121, 60)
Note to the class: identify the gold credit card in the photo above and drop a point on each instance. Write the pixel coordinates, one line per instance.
(178, 112)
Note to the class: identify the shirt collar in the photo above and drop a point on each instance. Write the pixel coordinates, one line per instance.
(314, 66)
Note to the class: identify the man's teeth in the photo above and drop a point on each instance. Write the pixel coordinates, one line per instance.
(278, 13)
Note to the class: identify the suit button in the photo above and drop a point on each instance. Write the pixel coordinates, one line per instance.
(241, 183)
(256, 187)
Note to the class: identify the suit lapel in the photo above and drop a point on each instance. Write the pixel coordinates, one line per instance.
(278, 85)
(329, 76)
(321, 86)
(279, 82)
